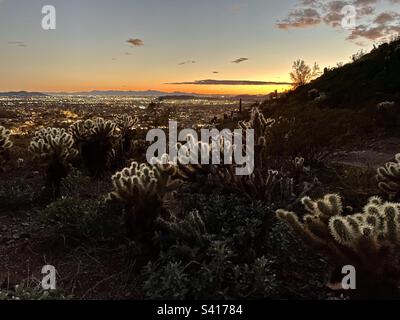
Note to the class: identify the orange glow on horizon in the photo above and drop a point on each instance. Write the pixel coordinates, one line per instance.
(200, 89)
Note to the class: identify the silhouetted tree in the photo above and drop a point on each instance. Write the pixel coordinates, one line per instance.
(303, 74)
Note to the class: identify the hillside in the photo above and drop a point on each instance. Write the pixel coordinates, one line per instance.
(371, 79)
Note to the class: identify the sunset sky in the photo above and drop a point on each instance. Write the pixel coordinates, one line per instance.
(170, 45)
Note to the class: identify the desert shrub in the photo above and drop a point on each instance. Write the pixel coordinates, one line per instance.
(54, 148)
(215, 252)
(85, 219)
(388, 178)
(96, 140)
(369, 240)
(230, 217)
(142, 188)
(22, 292)
(216, 278)
(5, 144)
(77, 185)
(387, 114)
(16, 194)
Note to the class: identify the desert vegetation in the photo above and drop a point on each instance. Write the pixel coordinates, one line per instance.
(76, 192)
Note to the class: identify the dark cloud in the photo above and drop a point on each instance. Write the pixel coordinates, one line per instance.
(187, 62)
(370, 24)
(240, 60)
(135, 42)
(232, 82)
(215, 72)
(17, 43)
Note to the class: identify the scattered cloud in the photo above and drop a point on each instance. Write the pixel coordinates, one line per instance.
(240, 60)
(135, 42)
(231, 82)
(187, 62)
(215, 72)
(371, 24)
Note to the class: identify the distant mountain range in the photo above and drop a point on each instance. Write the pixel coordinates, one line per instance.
(22, 94)
(154, 93)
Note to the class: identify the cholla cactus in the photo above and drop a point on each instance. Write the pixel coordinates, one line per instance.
(55, 149)
(143, 189)
(5, 144)
(261, 127)
(272, 186)
(190, 166)
(388, 177)
(96, 140)
(368, 240)
(259, 123)
(126, 124)
(91, 129)
(50, 143)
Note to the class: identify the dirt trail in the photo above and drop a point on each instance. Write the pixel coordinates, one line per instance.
(375, 153)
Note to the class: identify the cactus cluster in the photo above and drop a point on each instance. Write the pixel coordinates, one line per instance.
(143, 189)
(53, 144)
(140, 183)
(96, 141)
(271, 186)
(93, 129)
(5, 143)
(388, 177)
(54, 147)
(189, 165)
(368, 240)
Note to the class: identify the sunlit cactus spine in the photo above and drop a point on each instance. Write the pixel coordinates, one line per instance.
(96, 140)
(388, 177)
(53, 148)
(143, 189)
(5, 144)
(369, 241)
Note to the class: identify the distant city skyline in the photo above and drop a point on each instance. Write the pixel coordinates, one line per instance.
(208, 46)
